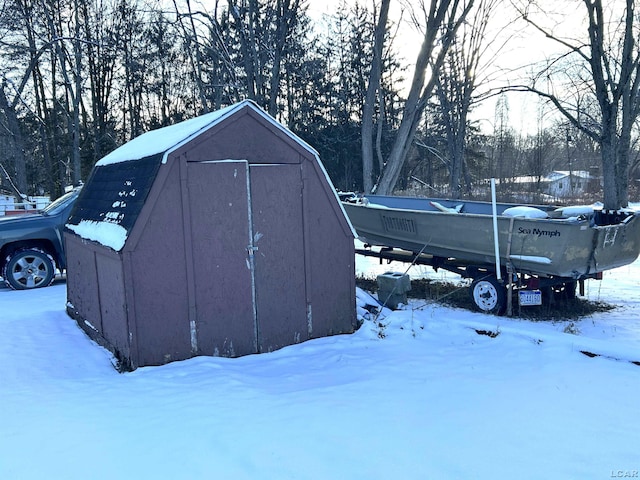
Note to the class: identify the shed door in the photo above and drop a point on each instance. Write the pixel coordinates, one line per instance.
(276, 199)
(248, 257)
(223, 296)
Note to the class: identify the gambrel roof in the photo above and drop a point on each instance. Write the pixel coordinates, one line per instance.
(120, 182)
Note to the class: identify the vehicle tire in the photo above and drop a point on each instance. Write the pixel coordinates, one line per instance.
(29, 268)
(567, 290)
(489, 295)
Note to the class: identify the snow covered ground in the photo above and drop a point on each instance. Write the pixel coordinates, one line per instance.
(416, 395)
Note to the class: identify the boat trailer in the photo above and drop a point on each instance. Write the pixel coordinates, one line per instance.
(489, 294)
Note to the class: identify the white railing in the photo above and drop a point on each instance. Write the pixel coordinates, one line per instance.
(35, 204)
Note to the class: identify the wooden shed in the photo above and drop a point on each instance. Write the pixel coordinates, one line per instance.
(220, 235)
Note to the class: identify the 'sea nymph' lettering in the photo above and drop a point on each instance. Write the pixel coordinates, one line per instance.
(539, 232)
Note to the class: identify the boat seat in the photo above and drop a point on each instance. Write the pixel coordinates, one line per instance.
(442, 208)
(526, 212)
(575, 211)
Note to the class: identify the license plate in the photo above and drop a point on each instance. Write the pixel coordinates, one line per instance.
(530, 297)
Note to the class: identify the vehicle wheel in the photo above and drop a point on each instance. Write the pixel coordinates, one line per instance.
(567, 290)
(29, 268)
(489, 295)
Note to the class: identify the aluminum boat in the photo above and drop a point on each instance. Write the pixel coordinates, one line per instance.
(570, 242)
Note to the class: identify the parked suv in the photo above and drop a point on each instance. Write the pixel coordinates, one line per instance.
(32, 246)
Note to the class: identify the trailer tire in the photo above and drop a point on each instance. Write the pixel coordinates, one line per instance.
(561, 292)
(489, 295)
(567, 290)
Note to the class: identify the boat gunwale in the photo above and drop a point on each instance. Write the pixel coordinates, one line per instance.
(569, 220)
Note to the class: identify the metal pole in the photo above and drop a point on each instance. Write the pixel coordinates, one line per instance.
(495, 228)
(510, 270)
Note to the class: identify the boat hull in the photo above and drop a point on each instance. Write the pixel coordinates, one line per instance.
(573, 248)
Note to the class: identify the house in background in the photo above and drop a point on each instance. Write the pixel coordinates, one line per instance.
(558, 184)
(566, 184)
(221, 235)
(7, 202)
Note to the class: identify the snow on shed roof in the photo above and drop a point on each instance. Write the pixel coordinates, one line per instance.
(163, 139)
(166, 139)
(110, 202)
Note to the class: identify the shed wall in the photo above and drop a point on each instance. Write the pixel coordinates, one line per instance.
(158, 281)
(330, 258)
(82, 281)
(113, 310)
(246, 137)
(95, 292)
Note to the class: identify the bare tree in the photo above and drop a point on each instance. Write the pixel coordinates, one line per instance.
(100, 29)
(264, 30)
(286, 16)
(502, 137)
(443, 18)
(605, 103)
(11, 146)
(456, 85)
(193, 50)
(33, 47)
(370, 100)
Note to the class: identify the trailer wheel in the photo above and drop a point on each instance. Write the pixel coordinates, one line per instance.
(567, 290)
(489, 295)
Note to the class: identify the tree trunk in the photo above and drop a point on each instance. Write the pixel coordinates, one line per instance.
(629, 104)
(285, 18)
(14, 147)
(247, 45)
(76, 163)
(610, 188)
(419, 93)
(622, 157)
(456, 151)
(370, 99)
(381, 121)
(195, 57)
